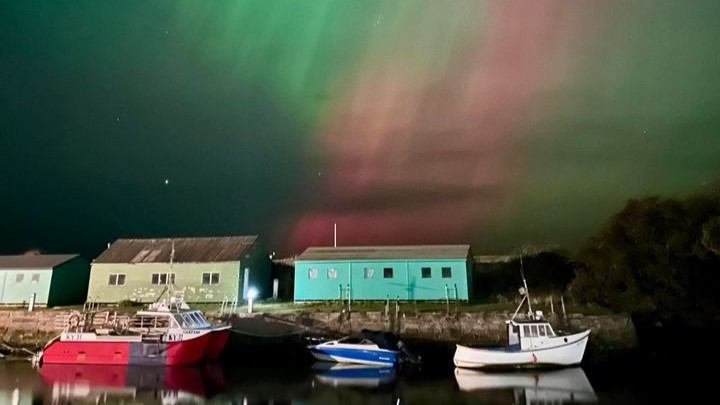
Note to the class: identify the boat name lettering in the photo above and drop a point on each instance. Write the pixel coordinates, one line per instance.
(73, 336)
(174, 337)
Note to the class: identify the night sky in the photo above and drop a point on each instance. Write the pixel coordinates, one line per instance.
(501, 124)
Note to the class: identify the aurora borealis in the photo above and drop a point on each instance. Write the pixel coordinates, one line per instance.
(498, 123)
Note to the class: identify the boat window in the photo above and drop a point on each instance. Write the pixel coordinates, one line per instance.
(533, 330)
(446, 272)
(388, 272)
(187, 321)
(350, 339)
(526, 330)
(199, 319)
(426, 272)
(550, 331)
(331, 273)
(541, 329)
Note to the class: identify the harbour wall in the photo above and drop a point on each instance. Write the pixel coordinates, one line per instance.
(609, 332)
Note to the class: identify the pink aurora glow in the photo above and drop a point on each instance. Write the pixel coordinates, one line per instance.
(420, 160)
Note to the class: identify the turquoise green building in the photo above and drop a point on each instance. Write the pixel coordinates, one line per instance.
(433, 272)
(201, 270)
(51, 279)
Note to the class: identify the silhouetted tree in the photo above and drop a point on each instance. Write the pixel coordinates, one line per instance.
(654, 255)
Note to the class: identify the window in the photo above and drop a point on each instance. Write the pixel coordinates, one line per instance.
(368, 272)
(526, 330)
(162, 278)
(533, 330)
(331, 273)
(35, 278)
(312, 274)
(116, 279)
(19, 278)
(541, 330)
(210, 278)
(388, 272)
(446, 272)
(426, 272)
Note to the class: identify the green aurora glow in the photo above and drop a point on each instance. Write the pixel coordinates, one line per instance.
(526, 125)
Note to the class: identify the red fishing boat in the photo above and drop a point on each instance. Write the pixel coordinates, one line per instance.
(157, 336)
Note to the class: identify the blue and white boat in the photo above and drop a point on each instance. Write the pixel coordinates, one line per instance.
(375, 348)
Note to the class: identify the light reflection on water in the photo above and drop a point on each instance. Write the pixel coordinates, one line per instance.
(323, 383)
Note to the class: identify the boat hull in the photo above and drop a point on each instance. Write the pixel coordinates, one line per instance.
(217, 341)
(354, 356)
(568, 352)
(121, 350)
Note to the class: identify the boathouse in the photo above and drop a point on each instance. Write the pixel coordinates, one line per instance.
(434, 272)
(50, 280)
(200, 270)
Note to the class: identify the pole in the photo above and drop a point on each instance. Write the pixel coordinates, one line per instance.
(335, 234)
(447, 300)
(250, 305)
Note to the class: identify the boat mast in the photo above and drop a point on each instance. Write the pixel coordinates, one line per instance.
(527, 291)
(169, 285)
(524, 292)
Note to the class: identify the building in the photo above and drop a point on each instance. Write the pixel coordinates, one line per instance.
(433, 272)
(202, 270)
(52, 279)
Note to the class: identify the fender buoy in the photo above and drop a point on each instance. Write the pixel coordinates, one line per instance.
(74, 320)
(534, 358)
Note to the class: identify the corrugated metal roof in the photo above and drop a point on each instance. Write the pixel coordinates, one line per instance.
(33, 261)
(187, 250)
(386, 252)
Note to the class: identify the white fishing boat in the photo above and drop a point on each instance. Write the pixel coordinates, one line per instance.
(531, 343)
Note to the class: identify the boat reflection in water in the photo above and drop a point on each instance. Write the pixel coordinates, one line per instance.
(108, 384)
(354, 375)
(569, 385)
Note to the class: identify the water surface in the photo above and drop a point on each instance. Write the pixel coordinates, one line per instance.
(327, 383)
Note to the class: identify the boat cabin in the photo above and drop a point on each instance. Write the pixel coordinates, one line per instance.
(352, 340)
(527, 335)
(153, 322)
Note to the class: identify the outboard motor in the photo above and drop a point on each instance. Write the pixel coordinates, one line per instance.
(387, 340)
(409, 356)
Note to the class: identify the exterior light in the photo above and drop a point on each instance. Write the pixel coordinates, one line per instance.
(252, 293)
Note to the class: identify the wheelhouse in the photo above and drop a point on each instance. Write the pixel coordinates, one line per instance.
(529, 334)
